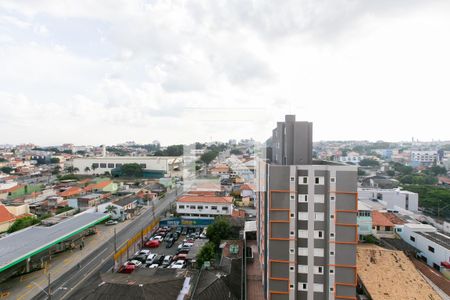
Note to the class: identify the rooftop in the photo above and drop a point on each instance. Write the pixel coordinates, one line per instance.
(379, 219)
(5, 215)
(439, 238)
(205, 199)
(39, 238)
(389, 274)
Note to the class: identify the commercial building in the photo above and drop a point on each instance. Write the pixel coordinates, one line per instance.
(434, 247)
(202, 206)
(306, 220)
(392, 199)
(153, 166)
(423, 158)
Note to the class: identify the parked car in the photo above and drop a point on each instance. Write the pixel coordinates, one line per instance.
(176, 236)
(134, 262)
(158, 238)
(180, 256)
(203, 234)
(142, 251)
(190, 230)
(160, 259)
(170, 243)
(184, 231)
(167, 260)
(179, 230)
(179, 264)
(151, 259)
(153, 266)
(152, 244)
(111, 222)
(127, 269)
(168, 236)
(197, 232)
(141, 257)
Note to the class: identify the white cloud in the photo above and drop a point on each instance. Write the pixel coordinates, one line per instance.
(195, 70)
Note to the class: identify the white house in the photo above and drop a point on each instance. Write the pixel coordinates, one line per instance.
(203, 206)
(392, 199)
(434, 246)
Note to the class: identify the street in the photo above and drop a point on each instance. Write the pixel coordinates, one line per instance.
(71, 283)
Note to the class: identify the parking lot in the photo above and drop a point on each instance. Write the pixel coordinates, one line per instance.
(165, 247)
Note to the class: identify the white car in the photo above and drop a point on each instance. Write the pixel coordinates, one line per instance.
(179, 264)
(142, 252)
(150, 258)
(134, 262)
(154, 266)
(157, 237)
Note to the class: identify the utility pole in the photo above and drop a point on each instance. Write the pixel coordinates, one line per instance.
(115, 240)
(49, 292)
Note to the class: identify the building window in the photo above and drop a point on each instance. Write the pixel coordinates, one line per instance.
(111, 166)
(292, 178)
(331, 253)
(331, 289)
(94, 166)
(206, 207)
(192, 207)
(318, 216)
(319, 180)
(118, 165)
(431, 249)
(303, 234)
(291, 269)
(199, 207)
(102, 165)
(181, 206)
(302, 216)
(224, 207)
(302, 286)
(331, 271)
(291, 286)
(412, 238)
(318, 270)
(213, 207)
(292, 197)
(332, 198)
(303, 180)
(292, 233)
(333, 179)
(318, 234)
(302, 198)
(302, 269)
(291, 251)
(332, 235)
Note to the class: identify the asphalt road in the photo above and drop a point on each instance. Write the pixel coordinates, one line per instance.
(79, 281)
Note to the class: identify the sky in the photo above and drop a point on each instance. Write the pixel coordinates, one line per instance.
(105, 72)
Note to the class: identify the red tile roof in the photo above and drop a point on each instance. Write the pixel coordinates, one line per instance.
(379, 219)
(5, 215)
(238, 213)
(205, 199)
(98, 186)
(444, 180)
(72, 191)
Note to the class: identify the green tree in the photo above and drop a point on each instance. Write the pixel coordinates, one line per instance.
(87, 169)
(94, 166)
(3, 159)
(438, 170)
(22, 223)
(219, 230)
(6, 170)
(207, 253)
(209, 156)
(236, 151)
(54, 160)
(367, 162)
(132, 170)
(361, 172)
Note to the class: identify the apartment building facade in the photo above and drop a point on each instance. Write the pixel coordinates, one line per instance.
(307, 222)
(204, 206)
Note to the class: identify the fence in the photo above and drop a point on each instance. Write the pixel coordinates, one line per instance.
(134, 244)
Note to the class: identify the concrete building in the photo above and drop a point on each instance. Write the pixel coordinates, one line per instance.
(434, 247)
(423, 158)
(306, 220)
(392, 199)
(153, 165)
(204, 206)
(364, 220)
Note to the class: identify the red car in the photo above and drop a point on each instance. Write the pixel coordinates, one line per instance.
(128, 268)
(152, 244)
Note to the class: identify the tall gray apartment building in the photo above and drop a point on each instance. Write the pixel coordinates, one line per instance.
(306, 219)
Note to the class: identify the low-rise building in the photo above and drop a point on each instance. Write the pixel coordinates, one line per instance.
(204, 206)
(423, 158)
(384, 224)
(6, 218)
(393, 199)
(434, 247)
(220, 169)
(364, 220)
(86, 201)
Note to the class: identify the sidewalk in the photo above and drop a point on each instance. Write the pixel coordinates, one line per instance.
(254, 275)
(27, 286)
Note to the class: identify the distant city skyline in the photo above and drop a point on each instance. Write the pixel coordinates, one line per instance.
(101, 72)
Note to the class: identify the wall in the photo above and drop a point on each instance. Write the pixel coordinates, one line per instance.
(152, 163)
(204, 211)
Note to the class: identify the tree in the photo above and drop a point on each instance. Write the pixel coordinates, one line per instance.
(367, 162)
(209, 156)
(70, 169)
(132, 170)
(111, 209)
(438, 170)
(87, 169)
(207, 253)
(219, 230)
(54, 160)
(94, 166)
(6, 170)
(22, 223)
(361, 172)
(76, 170)
(236, 151)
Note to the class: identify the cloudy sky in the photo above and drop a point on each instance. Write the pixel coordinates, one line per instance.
(95, 72)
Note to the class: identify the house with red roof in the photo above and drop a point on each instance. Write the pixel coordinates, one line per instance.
(6, 218)
(384, 223)
(107, 186)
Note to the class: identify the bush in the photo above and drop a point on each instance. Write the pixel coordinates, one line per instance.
(207, 253)
(23, 223)
(219, 230)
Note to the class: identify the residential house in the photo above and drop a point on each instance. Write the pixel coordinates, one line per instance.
(6, 218)
(364, 220)
(384, 224)
(86, 201)
(127, 205)
(71, 192)
(220, 169)
(107, 186)
(247, 190)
